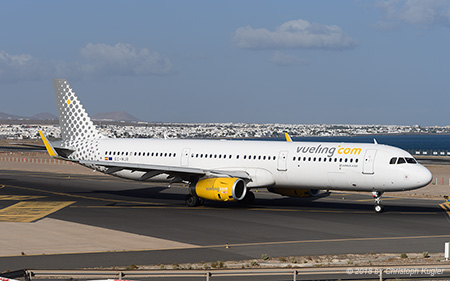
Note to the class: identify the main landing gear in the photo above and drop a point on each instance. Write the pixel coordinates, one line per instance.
(194, 200)
(249, 198)
(378, 206)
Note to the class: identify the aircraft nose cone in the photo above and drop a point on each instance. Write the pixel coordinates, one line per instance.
(425, 176)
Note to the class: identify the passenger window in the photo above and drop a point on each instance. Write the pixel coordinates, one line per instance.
(268, 157)
(237, 156)
(264, 157)
(393, 160)
(245, 157)
(274, 158)
(401, 160)
(174, 154)
(346, 159)
(356, 160)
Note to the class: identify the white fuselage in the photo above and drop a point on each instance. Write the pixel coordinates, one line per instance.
(310, 165)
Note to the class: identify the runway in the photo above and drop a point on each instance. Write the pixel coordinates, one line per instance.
(100, 221)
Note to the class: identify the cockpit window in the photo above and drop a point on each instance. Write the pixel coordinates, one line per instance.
(401, 160)
(411, 160)
(393, 160)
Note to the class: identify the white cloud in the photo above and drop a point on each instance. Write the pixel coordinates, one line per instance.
(286, 60)
(123, 59)
(295, 34)
(96, 60)
(20, 67)
(417, 12)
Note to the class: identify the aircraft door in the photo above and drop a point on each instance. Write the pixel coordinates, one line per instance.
(282, 161)
(185, 157)
(369, 161)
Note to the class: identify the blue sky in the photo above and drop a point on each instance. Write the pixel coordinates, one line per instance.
(300, 62)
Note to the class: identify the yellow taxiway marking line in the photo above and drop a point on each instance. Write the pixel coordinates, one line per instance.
(202, 208)
(84, 197)
(19, 197)
(31, 211)
(329, 240)
(446, 207)
(384, 199)
(267, 244)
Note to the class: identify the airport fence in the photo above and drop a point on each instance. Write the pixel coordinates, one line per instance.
(416, 272)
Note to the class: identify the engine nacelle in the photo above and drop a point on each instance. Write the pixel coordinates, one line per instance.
(221, 189)
(294, 192)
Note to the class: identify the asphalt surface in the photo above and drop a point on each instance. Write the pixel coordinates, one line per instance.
(277, 226)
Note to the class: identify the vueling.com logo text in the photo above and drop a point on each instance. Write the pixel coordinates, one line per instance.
(348, 150)
(329, 151)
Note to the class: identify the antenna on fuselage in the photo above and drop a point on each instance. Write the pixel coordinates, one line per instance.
(375, 141)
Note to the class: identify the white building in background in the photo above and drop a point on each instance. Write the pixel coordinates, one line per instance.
(221, 130)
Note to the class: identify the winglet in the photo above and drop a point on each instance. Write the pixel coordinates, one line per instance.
(51, 151)
(288, 138)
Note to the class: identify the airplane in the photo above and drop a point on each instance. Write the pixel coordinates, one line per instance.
(228, 170)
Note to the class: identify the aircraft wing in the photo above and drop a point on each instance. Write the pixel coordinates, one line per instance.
(186, 173)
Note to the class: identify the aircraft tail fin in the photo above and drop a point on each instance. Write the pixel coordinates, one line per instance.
(74, 121)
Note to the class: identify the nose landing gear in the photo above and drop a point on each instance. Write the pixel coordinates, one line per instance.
(378, 206)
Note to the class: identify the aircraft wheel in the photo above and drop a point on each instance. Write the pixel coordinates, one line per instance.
(249, 198)
(379, 208)
(192, 200)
